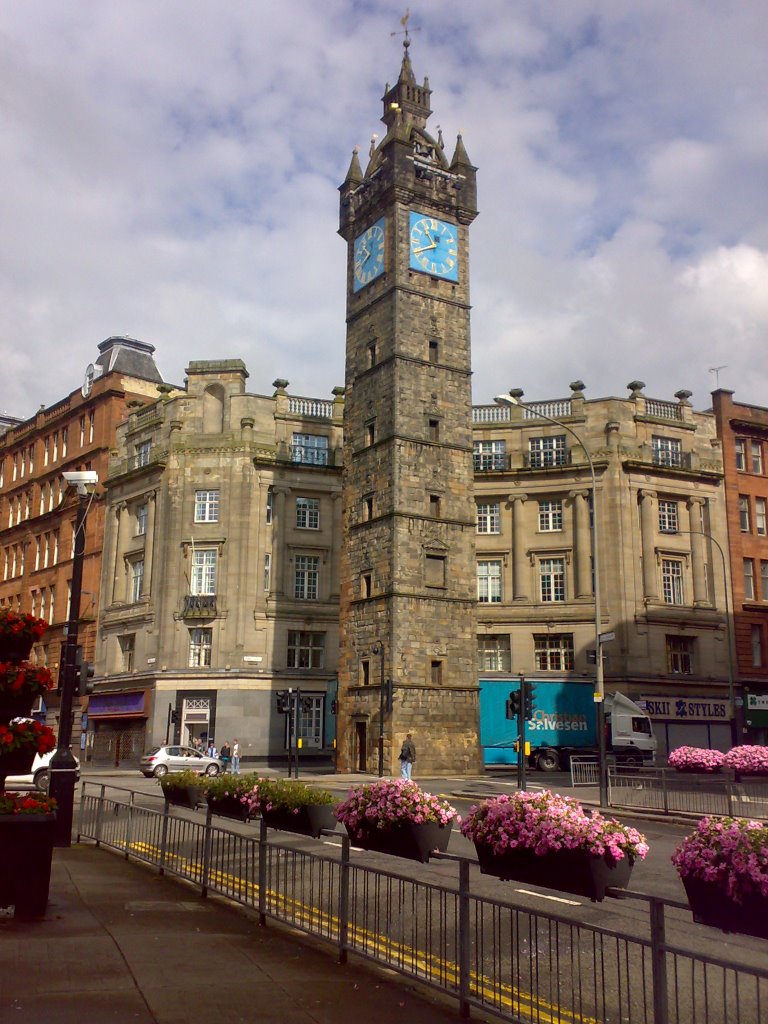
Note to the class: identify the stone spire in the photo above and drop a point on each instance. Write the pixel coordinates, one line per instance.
(406, 98)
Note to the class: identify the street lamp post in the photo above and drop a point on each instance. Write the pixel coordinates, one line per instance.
(515, 398)
(63, 768)
(736, 736)
(378, 648)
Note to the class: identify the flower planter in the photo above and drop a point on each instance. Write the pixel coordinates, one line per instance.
(712, 906)
(16, 762)
(575, 871)
(184, 796)
(410, 840)
(26, 847)
(229, 806)
(15, 647)
(307, 821)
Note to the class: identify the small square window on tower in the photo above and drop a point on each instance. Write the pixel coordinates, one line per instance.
(434, 351)
(434, 570)
(434, 430)
(372, 354)
(370, 433)
(434, 506)
(365, 672)
(366, 584)
(367, 508)
(436, 673)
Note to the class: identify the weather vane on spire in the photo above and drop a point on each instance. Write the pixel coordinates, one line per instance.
(404, 22)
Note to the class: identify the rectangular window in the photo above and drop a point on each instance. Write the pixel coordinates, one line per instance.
(760, 517)
(127, 651)
(755, 447)
(311, 449)
(64, 441)
(91, 425)
(370, 433)
(31, 458)
(741, 453)
(489, 455)
(757, 646)
(764, 579)
(207, 506)
(553, 652)
(489, 581)
(365, 672)
(306, 650)
(141, 520)
(15, 465)
(434, 506)
(744, 513)
(270, 507)
(668, 517)
(436, 673)
(203, 579)
(672, 580)
(372, 354)
(550, 516)
(366, 584)
(547, 451)
(680, 655)
(493, 653)
(51, 606)
(137, 579)
(435, 570)
(308, 513)
(42, 500)
(55, 445)
(82, 431)
(434, 351)
(367, 508)
(23, 462)
(267, 572)
(667, 451)
(143, 450)
(749, 579)
(200, 646)
(552, 579)
(306, 578)
(433, 430)
(55, 551)
(43, 603)
(46, 450)
(310, 724)
(489, 517)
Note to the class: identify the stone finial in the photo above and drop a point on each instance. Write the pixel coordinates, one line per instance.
(682, 396)
(280, 385)
(338, 391)
(577, 387)
(636, 388)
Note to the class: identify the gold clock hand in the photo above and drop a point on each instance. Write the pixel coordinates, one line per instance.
(424, 248)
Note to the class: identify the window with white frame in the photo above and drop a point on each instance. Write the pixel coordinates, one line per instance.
(493, 653)
(764, 579)
(760, 516)
(267, 571)
(672, 580)
(127, 651)
(207, 506)
(310, 724)
(552, 579)
(142, 453)
(489, 581)
(82, 431)
(744, 513)
(757, 645)
(550, 516)
(305, 649)
(489, 517)
(137, 579)
(749, 578)
(311, 449)
(91, 425)
(306, 577)
(668, 521)
(200, 647)
(553, 652)
(756, 453)
(667, 451)
(51, 605)
(55, 445)
(489, 454)
(680, 655)
(203, 579)
(308, 513)
(64, 441)
(547, 451)
(741, 453)
(141, 519)
(270, 506)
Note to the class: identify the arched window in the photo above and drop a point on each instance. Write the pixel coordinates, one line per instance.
(213, 409)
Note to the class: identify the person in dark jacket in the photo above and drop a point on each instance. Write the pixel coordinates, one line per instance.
(407, 757)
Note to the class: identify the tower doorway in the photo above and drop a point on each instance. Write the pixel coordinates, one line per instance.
(361, 740)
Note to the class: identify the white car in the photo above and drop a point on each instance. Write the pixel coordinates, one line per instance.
(39, 777)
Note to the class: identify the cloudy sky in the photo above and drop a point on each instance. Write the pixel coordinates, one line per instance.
(170, 173)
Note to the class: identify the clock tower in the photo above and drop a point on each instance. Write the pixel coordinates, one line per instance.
(408, 574)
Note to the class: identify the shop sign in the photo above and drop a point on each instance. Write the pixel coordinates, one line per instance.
(105, 704)
(688, 709)
(757, 701)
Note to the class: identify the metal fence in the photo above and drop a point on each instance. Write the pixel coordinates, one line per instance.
(585, 770)
(671, 792)
(584, 964)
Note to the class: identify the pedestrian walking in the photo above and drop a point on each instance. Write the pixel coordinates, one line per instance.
(407, 756)
(225, 754)
(211, 751)
(235, 757)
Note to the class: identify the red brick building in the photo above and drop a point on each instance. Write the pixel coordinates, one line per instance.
(743, 430)
(37, 510)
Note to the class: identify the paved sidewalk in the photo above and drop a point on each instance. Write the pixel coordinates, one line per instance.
(122, 944)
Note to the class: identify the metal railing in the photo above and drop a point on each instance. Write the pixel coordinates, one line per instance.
(499, 956)
(585, 770)
(671, 792)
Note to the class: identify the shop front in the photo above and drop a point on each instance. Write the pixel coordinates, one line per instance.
(685, 720)
(756, 715)
(117, 728)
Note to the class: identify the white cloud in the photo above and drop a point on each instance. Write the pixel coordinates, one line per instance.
(170, 172)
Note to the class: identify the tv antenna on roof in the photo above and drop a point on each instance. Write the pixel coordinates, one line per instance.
(716, 370)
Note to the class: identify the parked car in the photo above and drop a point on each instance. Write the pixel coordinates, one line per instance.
(161, 760)
(39, 777)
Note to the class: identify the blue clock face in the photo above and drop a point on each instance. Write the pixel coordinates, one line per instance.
(434, 247)
(368, 255)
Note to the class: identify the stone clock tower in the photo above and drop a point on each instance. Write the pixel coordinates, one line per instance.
(408, 577)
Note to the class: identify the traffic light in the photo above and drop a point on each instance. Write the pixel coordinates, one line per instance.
(513, 704)
(530, 701)
(84, 675)
(174, 715)
(306, 704)
(283, 702)
(334, 707)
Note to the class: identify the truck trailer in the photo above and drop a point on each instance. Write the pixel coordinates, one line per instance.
(563, 724)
